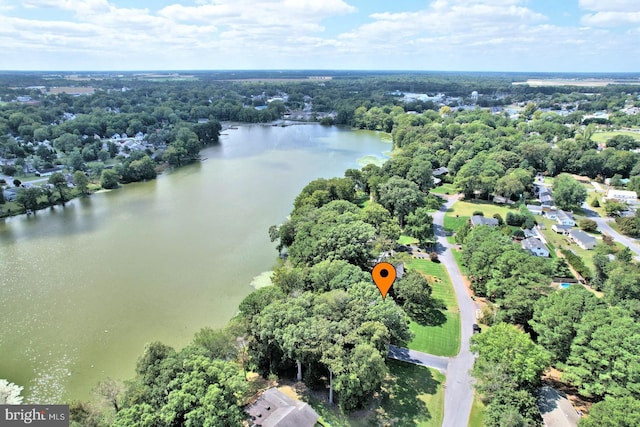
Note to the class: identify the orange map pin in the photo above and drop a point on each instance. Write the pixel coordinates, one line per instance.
(383, 275)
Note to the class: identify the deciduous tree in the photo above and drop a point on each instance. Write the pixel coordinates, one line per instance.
(567, 192)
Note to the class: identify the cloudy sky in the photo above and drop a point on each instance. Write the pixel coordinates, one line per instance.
(464, 35)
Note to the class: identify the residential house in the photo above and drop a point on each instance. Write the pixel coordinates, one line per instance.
(546, 199)
(582, 239)
(565, 218)
(561, 229)
(10, 194)
(622, 196)
(275, 409)
(480, 220)
(440, 171)
(535, 209)
(551, 213)
(535, 246)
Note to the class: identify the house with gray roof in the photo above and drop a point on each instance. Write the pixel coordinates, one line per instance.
(535, 209)
(565, 218)
(582, 239)
(275, 409)
(535, 246)
(480, 220)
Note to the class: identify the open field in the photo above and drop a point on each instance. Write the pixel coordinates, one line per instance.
(602, 137)
(467, 208)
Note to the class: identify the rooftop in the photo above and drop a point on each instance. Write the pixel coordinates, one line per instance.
(274, 408)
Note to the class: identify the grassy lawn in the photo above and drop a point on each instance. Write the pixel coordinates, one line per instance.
(416, 399)
(442, 340)
(10, 208)
(467, 208)
(604, 136)
(444, 189)
(476, 419)
(439, 279)
(407, 240)
(453, 223)
(559, 241)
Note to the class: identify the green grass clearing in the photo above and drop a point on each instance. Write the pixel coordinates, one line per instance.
(441, 286)
(443, 340)
(476, 419)
(603, 137)
(467, 208)
(453, 223)
(407, 240)
(417, 397)
(444, 189)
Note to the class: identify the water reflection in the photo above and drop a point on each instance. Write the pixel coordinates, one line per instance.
(89, 284)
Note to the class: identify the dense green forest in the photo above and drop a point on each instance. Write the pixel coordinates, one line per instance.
(322, 322)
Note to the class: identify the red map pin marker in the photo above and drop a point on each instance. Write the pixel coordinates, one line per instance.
(383, 275)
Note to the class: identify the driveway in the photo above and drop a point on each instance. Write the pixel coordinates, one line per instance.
(556, 409)
(419, 358)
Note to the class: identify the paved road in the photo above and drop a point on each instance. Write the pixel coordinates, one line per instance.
(458, 396)
(605, 228)
(419, 358)
(459, 392)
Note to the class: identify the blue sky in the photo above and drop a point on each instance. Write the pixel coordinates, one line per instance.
(459, 35)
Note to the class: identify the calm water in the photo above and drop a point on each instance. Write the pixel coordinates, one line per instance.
(83, 288)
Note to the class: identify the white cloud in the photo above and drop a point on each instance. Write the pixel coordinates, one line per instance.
(610, 13)
(610, 5)
(611, 19)
(445, 34)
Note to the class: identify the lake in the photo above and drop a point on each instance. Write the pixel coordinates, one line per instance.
(85, 287)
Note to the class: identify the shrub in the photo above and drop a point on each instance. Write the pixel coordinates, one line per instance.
(515, 219)
(433, 256)
(577, 263)
(518, 234)
(588, 225)
(478, 213)
(499, 218)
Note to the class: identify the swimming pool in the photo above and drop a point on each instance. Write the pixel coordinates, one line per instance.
(565, 285)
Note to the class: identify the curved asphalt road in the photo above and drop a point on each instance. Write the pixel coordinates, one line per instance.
(606, 229)
(458, 396)
(459, 392)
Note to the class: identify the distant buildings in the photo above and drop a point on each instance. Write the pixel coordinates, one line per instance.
(622, 196)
